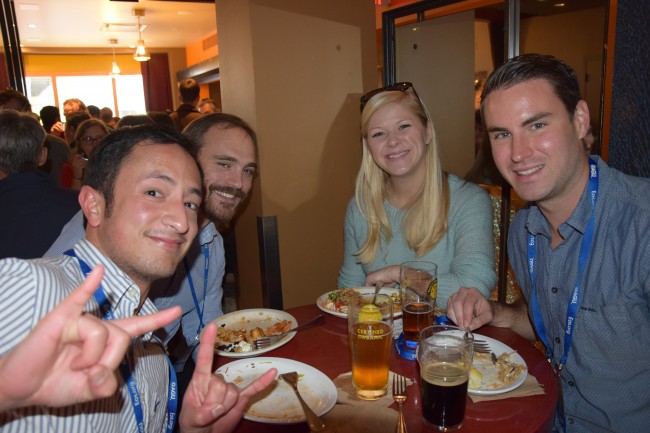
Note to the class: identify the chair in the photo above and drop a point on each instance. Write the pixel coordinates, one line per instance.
(507, 289)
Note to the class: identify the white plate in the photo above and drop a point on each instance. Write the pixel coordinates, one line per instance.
(278, 404)
(251, 318)
(489, 372)
(322, 299)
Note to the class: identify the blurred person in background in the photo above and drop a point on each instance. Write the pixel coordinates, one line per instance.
(94, 111)
(161, 118)
(73, 120)
(34, 208)
(89, 135)
(134, 120)
(189, 94)
(208, 105)
(70, 106)
(106, 116)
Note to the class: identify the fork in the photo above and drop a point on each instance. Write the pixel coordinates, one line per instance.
(266, 341)
(481, 346)
(399, 395)
(313, 421)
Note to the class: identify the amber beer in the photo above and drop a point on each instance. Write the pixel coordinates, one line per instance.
(444, 387)
(418, 289)
(370, 331)
(415, 317)
(370, 343)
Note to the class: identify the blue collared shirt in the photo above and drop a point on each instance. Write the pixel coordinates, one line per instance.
(606, 378)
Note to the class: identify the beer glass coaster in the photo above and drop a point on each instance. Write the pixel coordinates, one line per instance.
(406, 349)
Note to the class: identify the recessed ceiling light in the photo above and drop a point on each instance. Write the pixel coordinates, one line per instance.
(559, 5)
(31, 26)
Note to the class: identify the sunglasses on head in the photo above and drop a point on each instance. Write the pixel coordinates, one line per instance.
(397, 87)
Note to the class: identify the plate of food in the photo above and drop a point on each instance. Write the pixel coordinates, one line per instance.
(278, 404)
(336, 301)
(236, 331)
(491, 377)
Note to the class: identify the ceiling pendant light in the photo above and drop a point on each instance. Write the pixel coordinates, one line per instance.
(115, 70)
(140, 54)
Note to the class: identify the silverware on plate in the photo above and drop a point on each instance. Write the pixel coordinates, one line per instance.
(313, 421)
(266, 341)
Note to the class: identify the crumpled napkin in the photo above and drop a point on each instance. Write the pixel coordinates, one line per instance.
(346, 393)
(530, 387)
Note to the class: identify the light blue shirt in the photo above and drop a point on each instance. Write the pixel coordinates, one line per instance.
(606, 379)
(175, 290)
(464, 255)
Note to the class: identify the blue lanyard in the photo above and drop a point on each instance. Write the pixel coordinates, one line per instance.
(199, 311)
(572, 308)
(125, 369)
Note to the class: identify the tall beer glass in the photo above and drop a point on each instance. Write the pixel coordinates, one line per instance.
(370, 331)
(419, 288)
(445, 357)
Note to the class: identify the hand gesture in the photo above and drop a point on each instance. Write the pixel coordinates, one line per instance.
(70, 357)
(210, 403)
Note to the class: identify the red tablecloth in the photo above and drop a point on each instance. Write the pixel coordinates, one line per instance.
(326, 348)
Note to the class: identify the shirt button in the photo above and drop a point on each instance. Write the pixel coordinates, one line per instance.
(554, 290)
(571, 383)
(557, 340)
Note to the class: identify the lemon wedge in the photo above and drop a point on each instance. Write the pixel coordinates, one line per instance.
(369, 312)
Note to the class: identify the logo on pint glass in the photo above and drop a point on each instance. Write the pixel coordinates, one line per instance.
(432, 290)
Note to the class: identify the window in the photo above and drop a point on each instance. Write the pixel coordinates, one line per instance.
(124, 94)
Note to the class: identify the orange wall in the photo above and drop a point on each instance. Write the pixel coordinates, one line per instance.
(78, 64)
(195, 53)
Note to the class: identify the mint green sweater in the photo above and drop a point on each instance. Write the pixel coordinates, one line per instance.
(464, 255)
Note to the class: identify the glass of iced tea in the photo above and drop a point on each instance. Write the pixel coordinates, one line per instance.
(370, 331)
(445, 359)
(418, 287)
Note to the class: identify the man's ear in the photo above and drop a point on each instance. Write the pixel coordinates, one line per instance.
(92, 204)
(581, 119)
(43, 158)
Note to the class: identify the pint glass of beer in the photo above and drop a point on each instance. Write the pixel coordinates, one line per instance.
(370, 331)
(419, 288)
(445, 358)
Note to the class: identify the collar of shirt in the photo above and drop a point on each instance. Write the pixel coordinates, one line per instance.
(536, 222)
(208, 233)
(122, 293)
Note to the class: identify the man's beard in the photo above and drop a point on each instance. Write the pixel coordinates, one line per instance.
(219, 212)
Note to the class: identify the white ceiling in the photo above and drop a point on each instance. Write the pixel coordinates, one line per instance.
(78, 23)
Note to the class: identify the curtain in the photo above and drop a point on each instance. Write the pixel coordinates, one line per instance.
(4, 76)
(157, 86)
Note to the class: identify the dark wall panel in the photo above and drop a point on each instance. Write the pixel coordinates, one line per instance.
(629, 145)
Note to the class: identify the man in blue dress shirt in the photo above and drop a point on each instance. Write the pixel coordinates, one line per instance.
(580, 250)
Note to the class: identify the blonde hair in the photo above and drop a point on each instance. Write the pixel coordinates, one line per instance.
(425, 221)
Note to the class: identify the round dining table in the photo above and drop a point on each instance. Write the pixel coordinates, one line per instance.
(325, 347)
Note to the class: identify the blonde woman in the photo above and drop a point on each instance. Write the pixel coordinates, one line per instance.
(407, 208)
